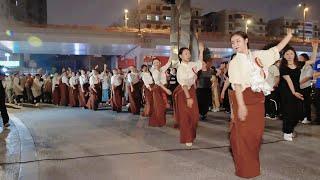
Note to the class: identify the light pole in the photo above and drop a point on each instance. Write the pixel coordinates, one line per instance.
(126, 18)
(7, 55)
(305, 10)
(139, 18)
(248, 22)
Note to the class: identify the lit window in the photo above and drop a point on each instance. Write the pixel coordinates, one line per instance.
(168, 18)
(149, 17)
(157, 18)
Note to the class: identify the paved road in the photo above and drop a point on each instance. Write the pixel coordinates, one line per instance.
(72, 143)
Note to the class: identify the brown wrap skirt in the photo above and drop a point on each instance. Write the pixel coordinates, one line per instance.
(186, 118)
(246, 136)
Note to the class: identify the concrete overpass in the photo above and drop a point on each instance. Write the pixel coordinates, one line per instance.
(89, 40)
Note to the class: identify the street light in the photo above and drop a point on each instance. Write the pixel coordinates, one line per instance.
(126, 18)
(248, 22)
(305, 10)
(7, 55)
(139, 19)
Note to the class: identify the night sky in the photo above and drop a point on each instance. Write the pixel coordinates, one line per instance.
(104, 13)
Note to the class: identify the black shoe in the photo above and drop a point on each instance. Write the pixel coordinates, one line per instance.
(203, 117)
(6, 125)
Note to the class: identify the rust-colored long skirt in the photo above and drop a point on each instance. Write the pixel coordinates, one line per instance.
(116, 100)
(94, 98)
(148, 106)
(187, 118)
(158, 115)
(64, 94)
(135, 99)
(83, 96)
(74, 96)
(246, 136)
(56, 95)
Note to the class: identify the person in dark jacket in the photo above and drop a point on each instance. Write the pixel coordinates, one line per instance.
(3, 108)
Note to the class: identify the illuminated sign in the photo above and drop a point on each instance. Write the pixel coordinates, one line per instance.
(10, 63)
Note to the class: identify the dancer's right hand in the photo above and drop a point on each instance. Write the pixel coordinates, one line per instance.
(242, 112)
(289, 31)
(298, 95)
(222, 95)
(189, 102)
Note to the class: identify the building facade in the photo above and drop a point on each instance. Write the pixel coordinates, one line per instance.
(157, 14)
(277, 27)
(4, 13)
(210, 22)
(197, 19)
(230, 21)
(28, 11)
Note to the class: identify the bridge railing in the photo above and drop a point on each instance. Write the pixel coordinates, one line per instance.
(208, 36)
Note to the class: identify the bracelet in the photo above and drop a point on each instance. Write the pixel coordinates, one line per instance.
(189, 98)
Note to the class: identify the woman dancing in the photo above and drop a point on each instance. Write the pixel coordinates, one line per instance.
(247, 73)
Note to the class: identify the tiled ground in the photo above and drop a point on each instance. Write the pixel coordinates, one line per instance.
(66, 143)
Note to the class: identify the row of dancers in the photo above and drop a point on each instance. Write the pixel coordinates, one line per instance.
(248, 71)
(247, 75)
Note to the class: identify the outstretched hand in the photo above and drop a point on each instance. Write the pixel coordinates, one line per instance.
(289, 31)
(201, 46)
(315, 44)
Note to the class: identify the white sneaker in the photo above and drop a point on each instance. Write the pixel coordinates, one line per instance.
(189, 144)
(216, 110)
(287, 137)
(306, 121)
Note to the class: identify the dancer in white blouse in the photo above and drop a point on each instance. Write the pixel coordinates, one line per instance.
(17, 88)
(95, 91)
(83, 89)
(186, 110)
(116, 91)
(64, 86)
(73, 90)
(134, 91)
(159, 91)
(159, 74)
(147, 90)
(247, 75)
(55, 89)
(36, 89)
